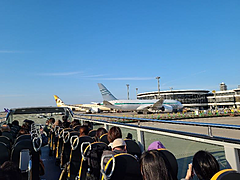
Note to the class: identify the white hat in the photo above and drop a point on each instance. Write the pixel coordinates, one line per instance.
(118, 142)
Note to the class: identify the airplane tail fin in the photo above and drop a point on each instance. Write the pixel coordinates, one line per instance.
(107, 96)
(58, 101)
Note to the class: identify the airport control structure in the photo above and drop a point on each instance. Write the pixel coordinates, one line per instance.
(199, 99)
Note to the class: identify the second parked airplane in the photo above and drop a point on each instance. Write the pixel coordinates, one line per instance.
(89, 108)
(138, 105)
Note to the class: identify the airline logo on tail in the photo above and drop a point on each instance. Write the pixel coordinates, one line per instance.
(58, 101)
(107, 96)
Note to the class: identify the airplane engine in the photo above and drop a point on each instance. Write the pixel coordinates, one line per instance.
(166, 108)
(95, 110)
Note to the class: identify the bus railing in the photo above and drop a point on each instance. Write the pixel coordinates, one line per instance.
(182, 144)
(139, 120)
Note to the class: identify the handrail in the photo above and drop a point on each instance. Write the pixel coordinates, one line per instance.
(176, 132)
(216, 125)
(104, 173)
(230, 146)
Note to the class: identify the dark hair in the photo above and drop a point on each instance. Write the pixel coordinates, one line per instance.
(51, 121)
(10, 171)
(58, 123)
(22, 132)
(205, 165)
(74, 123)
(100, 132)
(88, 124)
(114, 133)
(83, 130)
(15, 123)
(154, 166)
(64, 118)
(76, 128)
(24, 126)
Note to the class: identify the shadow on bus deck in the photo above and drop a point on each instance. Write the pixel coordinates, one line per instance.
(52, 172)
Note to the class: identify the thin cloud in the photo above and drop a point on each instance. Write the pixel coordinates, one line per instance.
(12, 52)
(96, 75)
(194, 74)
(127, 78)
(11, 95)
(60, 74)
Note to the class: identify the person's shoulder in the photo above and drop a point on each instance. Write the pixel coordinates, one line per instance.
(106, 152)
(118, 151)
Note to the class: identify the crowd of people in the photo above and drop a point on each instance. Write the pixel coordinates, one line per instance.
(10, 170)
(153, 163)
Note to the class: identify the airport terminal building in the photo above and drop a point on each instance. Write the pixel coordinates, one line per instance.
(200, 99)
(189, 98)
(224, 98)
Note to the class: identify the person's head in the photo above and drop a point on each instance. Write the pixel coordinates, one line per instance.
(22, 132)
(129, 136)
(100, 132)
(58, 123)
(74, 123)
(155, 145)
(28, 122)
(5, 128)
(10, 171)
(51, 121)
(15, 123)
(154, 166)
(114, 133)
(47, 122)
(83, 131)
(88, 124)
(64, 118)
(205, 165)
(119, 144)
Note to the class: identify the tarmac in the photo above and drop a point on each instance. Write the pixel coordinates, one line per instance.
(229, 133)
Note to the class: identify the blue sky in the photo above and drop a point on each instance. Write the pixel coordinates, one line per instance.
(67, 47)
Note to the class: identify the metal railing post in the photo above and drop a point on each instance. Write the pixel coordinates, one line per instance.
(81, 122)
(140, 137)
(106, 126)
(232, 157)
(210, 131)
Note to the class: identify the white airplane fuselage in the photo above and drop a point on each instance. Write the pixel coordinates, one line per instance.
(132, 105)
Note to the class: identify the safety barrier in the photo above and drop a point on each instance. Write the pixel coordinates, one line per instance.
(182, 144)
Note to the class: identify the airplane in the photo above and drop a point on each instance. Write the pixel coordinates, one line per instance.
(88, 108)
(112, 102)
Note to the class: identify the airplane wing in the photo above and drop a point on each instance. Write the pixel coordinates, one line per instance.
(158, 103)
(142, 107)
(97, 103)
(108, 104)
